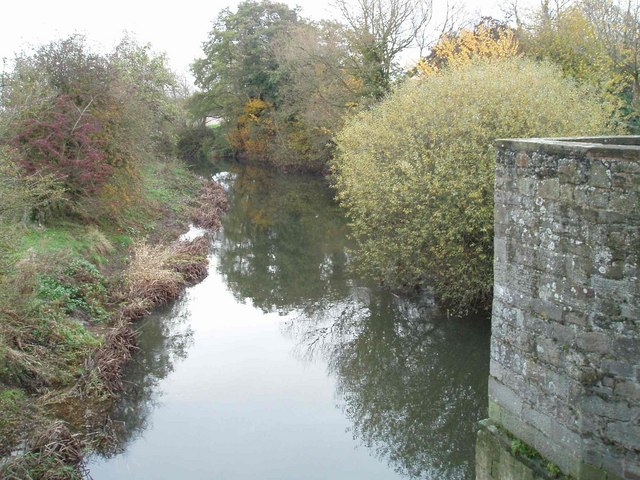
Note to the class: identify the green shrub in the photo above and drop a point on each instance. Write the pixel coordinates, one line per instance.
(195, 143)
(518, 447)
(80, 288)
(416, 172)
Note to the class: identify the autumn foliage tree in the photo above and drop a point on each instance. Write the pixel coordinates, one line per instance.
(239, 70)
(488, 39)
(593, 41)
(322, 89)
(64, 141)
(303, 76)
(379, 31)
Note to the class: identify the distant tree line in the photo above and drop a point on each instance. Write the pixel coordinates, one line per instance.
(283, 85)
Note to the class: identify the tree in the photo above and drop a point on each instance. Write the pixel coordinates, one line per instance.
(239, 64)
(321, 90)
(594, 41)
(52, 102)
(415, 173)
(156, 89)
(380, 31)
(488, 39)
(568, 38)
(87, 120)
(617, 27)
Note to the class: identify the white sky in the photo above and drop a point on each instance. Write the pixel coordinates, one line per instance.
(178, 29)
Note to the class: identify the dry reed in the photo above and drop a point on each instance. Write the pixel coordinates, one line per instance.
(213, 203)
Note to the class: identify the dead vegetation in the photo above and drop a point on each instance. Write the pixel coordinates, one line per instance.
(159, 273)
(189, 259)
(102, 376)
(149, 280)
(156, 274)
(213, 203)
(52, 454)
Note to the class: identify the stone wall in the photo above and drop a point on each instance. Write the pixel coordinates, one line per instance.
(565, 348)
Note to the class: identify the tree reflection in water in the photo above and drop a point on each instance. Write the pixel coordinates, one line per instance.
(412, 383)
(284, 241)
(164, 338)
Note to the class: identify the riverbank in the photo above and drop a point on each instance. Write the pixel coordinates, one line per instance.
(71, 290)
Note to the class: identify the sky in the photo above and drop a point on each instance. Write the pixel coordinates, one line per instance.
(177, 29)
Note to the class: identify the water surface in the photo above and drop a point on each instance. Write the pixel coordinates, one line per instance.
(283, 364)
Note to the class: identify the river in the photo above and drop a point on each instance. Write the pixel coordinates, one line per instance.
(283, 364)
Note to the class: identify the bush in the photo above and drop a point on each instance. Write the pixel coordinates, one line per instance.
(195, 144)
(79, 290)
(416, 172)
(87, 121)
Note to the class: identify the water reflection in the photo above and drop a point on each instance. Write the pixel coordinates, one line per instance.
(412, 383)
(164, 339)
(284, 241)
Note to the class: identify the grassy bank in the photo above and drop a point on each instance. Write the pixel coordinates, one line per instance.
(70, 291)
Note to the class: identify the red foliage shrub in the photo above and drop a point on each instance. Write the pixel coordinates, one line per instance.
(65, 142)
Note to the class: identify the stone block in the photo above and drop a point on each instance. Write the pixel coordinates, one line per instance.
(522, 160)
(609, 289)
(582, 196)
(549, 189)
(631, 467)
(596, 406)
(630, 391)
(578, 247)
(627, 348)
(625, 167)
(592, 472)
(611, 217)
(599, 175)
(505, 397)
(526, 186)
(572, 171)
(598, 342)
(625, 202)
(549, 351)
(600, 199)
(576, 318)
(624, 433)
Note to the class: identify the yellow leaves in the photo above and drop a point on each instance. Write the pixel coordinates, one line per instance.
(354, 83)
(467, 45)
(571, 41)
(254, 129)
(255, 107)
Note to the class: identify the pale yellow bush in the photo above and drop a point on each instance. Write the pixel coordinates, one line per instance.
(416, 173)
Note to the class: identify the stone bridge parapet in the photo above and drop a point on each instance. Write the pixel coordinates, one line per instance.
(565, 347)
